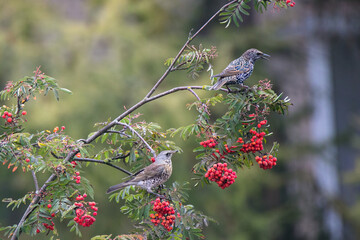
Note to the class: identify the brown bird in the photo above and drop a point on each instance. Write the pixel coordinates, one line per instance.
(239, 69)
(151, 176)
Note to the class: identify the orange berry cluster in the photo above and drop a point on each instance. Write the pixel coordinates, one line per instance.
(83, 212)
(255, 144)
(7, 116)
(165, 214)
(266, 162)
(222, 175)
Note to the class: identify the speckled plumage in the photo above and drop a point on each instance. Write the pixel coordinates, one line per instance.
(239, 70)
(151, 176)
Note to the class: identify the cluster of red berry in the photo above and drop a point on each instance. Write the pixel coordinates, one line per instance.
(77, 177)
(7, 116)
(83, 212)
(222, 175)
(255, 144)
(266, 162)
(211, 143)
(290, 3)
(165, 214)
(47, 225)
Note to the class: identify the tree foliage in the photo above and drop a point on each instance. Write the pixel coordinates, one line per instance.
(237, 138)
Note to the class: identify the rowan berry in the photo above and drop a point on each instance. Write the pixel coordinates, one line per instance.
(220, 174)
(164, 214)
(266, 161)
(83, 212)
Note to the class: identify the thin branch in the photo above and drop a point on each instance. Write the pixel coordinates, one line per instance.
(141, 138)
(177, 67)
(120, 156)
(118, 132)
(194, 93)
(35, 182)
(102, 162)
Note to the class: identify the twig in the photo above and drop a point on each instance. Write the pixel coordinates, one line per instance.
(141, 138)
(102, 162)
(118, 132)
(35, 182)
(120, 156)
(194, 93)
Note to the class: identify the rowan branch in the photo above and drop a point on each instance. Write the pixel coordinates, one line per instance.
(35, 182)
(102, 162)
(139, 136)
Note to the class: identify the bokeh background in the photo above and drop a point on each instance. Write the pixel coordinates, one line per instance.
(110, 53)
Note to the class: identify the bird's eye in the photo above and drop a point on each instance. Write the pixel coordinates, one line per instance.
(168, 154)
(258, 53)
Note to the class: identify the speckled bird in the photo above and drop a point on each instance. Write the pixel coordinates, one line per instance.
(239, 69)
(151, 176)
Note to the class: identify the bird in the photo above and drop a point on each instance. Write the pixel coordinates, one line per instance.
(151, 176)
(239, 69)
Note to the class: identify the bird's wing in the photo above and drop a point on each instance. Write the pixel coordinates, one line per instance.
(150, 171)
(234, 68)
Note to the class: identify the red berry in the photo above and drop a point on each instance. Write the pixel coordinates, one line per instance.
(94, 213)
(9, 120)
(24, 113)
(27, 160)
(53, 215)
(63, 128)
(84, 195)
(49, 205)
(37, 230)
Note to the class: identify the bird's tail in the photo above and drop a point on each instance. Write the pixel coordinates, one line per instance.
(118, 186)
(218, 85)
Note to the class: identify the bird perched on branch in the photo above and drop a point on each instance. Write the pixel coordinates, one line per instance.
(151, 176)
(239, 69)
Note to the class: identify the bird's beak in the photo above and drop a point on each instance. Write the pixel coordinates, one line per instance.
(265, 56)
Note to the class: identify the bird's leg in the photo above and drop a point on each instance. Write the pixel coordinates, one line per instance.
(156, 194)
(229, 90)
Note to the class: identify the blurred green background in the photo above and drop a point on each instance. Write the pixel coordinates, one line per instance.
(110, 53)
